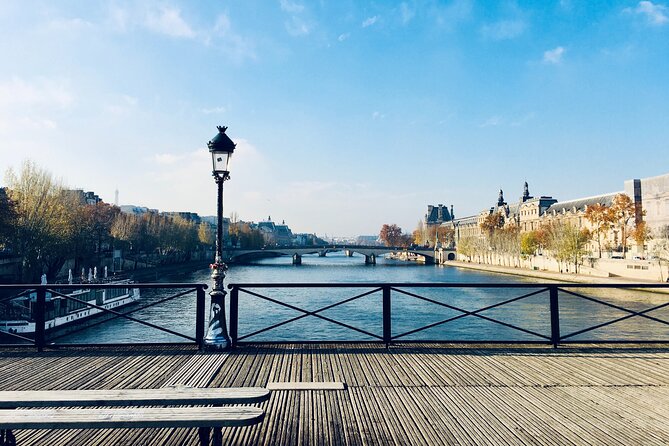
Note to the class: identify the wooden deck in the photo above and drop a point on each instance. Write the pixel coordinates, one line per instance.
(408, 394)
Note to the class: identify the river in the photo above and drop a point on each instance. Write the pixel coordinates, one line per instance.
(408, 313)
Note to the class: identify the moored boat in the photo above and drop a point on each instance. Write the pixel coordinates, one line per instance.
(63, 314)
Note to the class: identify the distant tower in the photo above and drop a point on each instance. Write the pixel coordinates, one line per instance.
(116, 197)
(452, 214)
(526, 192)
(500, 199)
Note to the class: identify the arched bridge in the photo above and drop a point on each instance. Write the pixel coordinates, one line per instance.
(296, 252)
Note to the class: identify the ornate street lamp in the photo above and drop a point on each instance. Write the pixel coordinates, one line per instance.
(221, 148)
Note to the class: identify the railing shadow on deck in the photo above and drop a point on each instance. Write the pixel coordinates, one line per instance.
(552, 297)
(40, 311)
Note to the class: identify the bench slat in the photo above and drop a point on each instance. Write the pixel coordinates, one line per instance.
(144, 417)
(128, 397)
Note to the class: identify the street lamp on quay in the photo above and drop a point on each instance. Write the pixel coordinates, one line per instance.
(221, 148)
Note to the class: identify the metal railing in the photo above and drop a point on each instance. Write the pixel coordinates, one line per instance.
(38, 311)
(550, 296)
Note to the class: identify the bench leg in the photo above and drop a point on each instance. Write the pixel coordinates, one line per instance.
(218, 437)
(203, 433)
(7, 438)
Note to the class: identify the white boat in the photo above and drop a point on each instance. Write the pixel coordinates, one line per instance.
(62, 313)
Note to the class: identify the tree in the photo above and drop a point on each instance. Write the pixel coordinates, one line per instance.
(641, 234)
(446, 235)
(467, 247)
(392, 235)
(660, 248)
(622, 211)
(7, 218)
(419, 234)
(529, 243)
(44, 224)
(568, 243)
(600, 217)
(491, 222)
(205, 234)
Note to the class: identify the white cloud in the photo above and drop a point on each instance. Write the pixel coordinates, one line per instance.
(554, 56)
(292, 7)
(169, 21)
(493, 121)
(123, 106)
(406, 13)
(656, 14)
(297, 27)
(39, 92)
(236, 46)
(343, 37)
(504, 29)
(378, 115)
(213, 110)
(370, 21)
(65, 25)
(168, 158)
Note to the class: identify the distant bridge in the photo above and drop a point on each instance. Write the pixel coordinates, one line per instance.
(296, 252)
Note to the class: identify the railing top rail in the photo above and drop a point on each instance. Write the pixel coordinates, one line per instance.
(77, 286)
(445, 285)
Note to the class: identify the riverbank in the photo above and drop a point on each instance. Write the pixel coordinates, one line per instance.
(547, 275)
(154, 273)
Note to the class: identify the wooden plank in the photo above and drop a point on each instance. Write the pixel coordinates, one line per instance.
(131, 397)
(135, 417)
(306, 386)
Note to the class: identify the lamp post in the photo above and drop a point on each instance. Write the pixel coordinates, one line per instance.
(221, 148)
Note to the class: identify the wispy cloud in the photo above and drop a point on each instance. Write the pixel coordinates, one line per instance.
(503, 29)
(168, 21)
(231, 42)
(369, 21)
(378, 115)
(291, 7)
(343, 37)
(521, 121)
(69, 25)
(213, 110)
(406, 13)
(655, 13)
(298, 27)
(554, 56)
(36, 92)
(123, 106)
(492, 121)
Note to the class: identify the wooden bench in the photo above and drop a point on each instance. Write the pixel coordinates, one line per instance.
(70, 409)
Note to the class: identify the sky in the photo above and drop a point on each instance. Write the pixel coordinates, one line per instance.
(346, 114)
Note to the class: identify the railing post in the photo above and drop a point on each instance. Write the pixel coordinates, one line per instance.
(555, 315)
(387, 333)
(40, 317)
(234, 315)
(199, 318)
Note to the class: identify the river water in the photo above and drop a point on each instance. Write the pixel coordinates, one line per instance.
(408, 313)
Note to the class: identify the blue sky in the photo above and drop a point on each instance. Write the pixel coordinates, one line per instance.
(347, 114)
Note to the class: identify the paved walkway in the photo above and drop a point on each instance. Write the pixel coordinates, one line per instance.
(404, 395)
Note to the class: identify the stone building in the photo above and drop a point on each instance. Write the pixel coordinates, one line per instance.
(650, 196)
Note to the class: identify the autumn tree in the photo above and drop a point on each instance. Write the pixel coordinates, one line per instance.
(419, 235)
(641, 234)
(392, 235)
(43, 224)
(205, 234)
(529, 243)
(660, 248)
(467, 247)
(567, 242)
(600, 217)
(491, 222)
(446, 235)
(622, 211)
